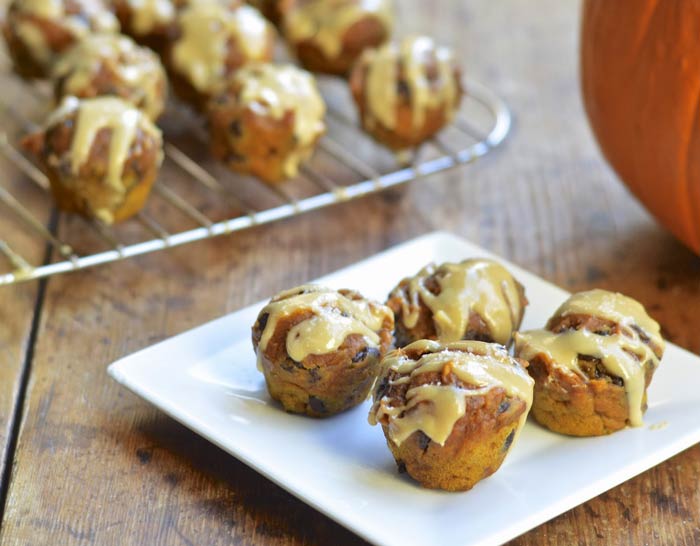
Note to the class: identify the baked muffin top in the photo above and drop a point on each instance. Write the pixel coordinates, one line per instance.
(91, 116)
(607, 326)
(434, 381)
(76, 18)
(454, 291)
(206, 28)
(276, 90)
(416, 71)
(324, 22)
(137, 66)
(328, 317)
(146, 15)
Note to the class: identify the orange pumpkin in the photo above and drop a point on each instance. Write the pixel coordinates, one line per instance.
(640, 74)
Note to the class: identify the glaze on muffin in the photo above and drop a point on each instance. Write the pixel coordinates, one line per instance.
(451, 412)
(320, 349)
(592, 364)
(406, 92)
(474, 299)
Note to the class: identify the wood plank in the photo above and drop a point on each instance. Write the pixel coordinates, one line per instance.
(96, 465)
(17, 306)
(17, 303)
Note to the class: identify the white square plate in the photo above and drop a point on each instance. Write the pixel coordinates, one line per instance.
(206, 379)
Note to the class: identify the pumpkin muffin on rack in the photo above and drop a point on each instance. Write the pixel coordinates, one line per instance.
(266, 120)
(149, 22)
(112, 64)
(405, 93)
(592, 364)
(329, 35)
(38, 30)
(152, 22)
(273, 10)
(320, 349)
(212, 41)
(101, 156)
(474, 299)
(451, 412)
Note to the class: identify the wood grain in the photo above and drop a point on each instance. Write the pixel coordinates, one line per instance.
(96, 465)
(17, 304)
(16, 313)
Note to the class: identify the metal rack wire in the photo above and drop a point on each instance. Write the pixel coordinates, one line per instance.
(328, 189)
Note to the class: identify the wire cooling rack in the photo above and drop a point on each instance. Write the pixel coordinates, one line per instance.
(195, 198)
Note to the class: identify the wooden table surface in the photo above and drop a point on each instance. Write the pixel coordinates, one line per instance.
(87, 462)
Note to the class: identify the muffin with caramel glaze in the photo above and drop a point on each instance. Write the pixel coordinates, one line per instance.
(101, 156)
(320, 349)
(451, 412)
(153, 22)
(474, 299)
(149, 22)
(112, 64)
(592, 364)
(212, 41)
(329, 35)
(266, 120)
(405, 93)
(38, 30)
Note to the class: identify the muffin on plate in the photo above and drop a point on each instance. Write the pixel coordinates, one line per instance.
(474, 299)
(101, 156)
(266, 120)
(329, 35)
(406, 93)
(451, 412)
(320, 349)
(112, 64)
(38, 30)
(592, 364)
(212, 41)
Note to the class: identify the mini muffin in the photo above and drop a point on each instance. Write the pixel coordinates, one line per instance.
(101, 156)
(37, 30)
(405, 93)
(329, 35)
(112, 64)
(153, 22)
(266, 120)
(213, 41)
(474, 299)
(273, 10)
(592, 364)
(320, 349)
(149, 22)
(451, 412)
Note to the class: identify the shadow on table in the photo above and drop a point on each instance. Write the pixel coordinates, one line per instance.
(225, 497)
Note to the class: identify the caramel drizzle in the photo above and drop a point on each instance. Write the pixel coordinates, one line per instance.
(47, 9)
(275, 90)
(136, 66)
(324, 22)
(332, 319)
(476, 286)
(146, 15)
(623, 355)
(412, 57)
(435, 408)
(96, 114)
(95, 17)
(206, 28)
